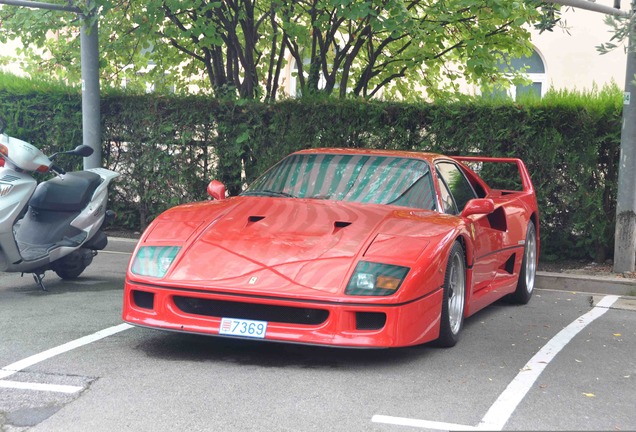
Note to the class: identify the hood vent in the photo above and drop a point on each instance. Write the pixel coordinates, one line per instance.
(253, 219)
(338, 225)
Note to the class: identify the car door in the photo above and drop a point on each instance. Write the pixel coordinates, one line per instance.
(456, 191)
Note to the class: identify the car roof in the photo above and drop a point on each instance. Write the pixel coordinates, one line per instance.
(363, 151)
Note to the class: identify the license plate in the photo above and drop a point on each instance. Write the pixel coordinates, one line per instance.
(243, 328)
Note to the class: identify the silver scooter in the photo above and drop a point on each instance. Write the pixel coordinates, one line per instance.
(56, 224)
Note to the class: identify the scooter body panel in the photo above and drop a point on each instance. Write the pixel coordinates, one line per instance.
(24, 155)
(17, 188)
(92, 216)
(55, 225)
(61, 233)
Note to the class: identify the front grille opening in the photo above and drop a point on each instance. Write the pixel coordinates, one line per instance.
(251, 311)
(144, 299)
(370, 320)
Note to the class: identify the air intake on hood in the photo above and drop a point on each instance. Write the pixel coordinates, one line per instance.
(253, 219)
(338, 225)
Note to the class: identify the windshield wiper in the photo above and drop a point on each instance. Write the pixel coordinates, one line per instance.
(320, 197)
(267, 192)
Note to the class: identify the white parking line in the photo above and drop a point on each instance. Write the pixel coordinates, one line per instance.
(61, 349)
(58, 388)
(502, 409)
(422, 424)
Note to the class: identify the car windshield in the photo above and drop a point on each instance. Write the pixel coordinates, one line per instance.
(356, 178)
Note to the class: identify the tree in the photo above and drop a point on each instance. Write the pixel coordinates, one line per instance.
(239, 48)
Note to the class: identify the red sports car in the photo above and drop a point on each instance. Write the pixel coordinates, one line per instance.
(340, 247)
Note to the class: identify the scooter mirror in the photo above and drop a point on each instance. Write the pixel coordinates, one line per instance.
(82, 150)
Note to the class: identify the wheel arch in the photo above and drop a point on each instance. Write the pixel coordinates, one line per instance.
(464, 241)
(534, 218)
(467, 246)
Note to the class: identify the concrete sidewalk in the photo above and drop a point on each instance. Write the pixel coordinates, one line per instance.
(586, 283)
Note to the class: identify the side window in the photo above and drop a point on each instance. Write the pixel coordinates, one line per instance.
(460, 189)
(448, 205)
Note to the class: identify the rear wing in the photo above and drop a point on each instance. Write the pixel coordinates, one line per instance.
(526, 182)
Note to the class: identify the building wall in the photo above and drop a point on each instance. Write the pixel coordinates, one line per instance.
(572, 61)
(9, 49)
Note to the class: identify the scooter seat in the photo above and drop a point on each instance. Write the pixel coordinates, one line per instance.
(70, 193)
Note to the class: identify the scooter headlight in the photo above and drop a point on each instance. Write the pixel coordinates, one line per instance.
(154, 261)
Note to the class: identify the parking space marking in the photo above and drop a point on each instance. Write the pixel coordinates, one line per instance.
(501, 410)
(58, 388)
(61, 349)
(422, 424)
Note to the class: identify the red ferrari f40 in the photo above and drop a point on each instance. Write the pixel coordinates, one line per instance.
(341, 247)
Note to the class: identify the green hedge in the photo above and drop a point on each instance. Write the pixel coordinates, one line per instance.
(168, 148)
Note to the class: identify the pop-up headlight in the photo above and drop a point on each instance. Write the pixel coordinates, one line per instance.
(154, 261)
(375, 279)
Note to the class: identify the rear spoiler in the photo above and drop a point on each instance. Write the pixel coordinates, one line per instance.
(526, 182)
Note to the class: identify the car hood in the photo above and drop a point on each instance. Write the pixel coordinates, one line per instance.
(285, 246)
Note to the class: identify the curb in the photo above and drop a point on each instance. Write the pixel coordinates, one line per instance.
(586, 283)
(124, 239)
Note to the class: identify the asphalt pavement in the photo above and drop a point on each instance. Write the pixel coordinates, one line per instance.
(565, 361)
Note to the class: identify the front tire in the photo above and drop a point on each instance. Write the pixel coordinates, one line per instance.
(528, 272)
(454, 299)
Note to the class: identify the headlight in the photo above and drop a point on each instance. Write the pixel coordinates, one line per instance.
(374, 279)
(154, 261)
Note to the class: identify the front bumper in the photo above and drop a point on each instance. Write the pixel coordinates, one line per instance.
(289, 320)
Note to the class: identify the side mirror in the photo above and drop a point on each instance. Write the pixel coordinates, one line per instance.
(478, 206)
(216, 190)
(82, 150)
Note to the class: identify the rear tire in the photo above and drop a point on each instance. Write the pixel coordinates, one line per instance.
(528, 272)
(454, 299)
(70, 274)
(72, 265)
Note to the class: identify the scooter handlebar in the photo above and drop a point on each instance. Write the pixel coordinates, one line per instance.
(57, 169)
